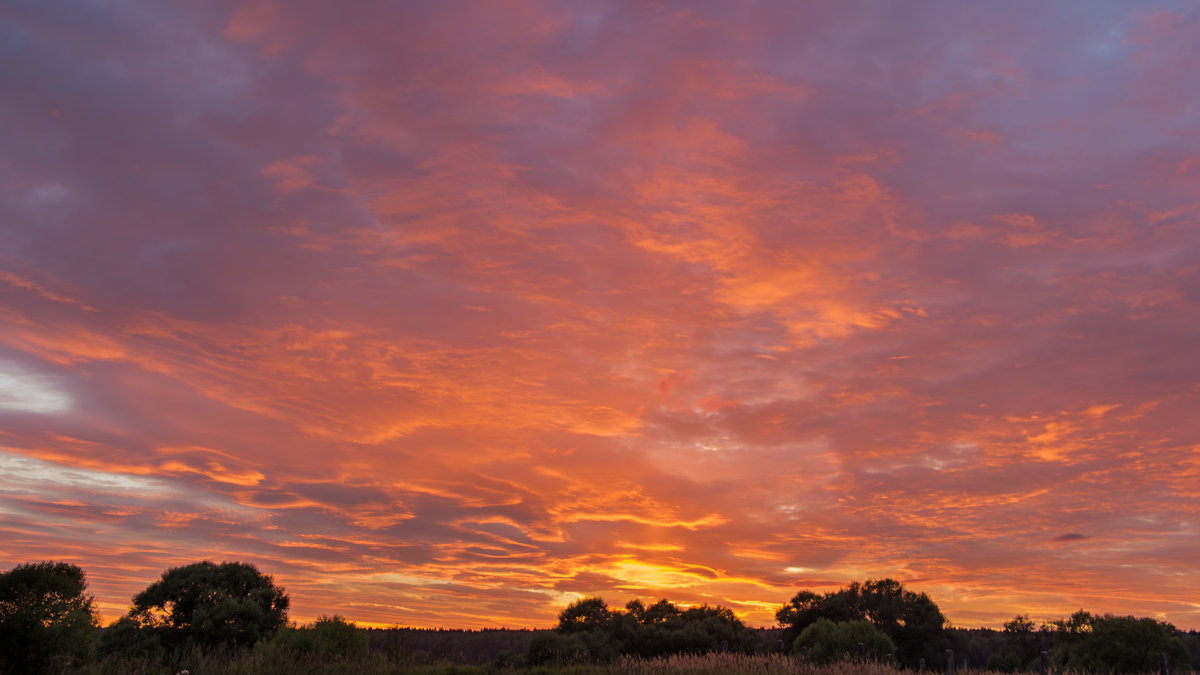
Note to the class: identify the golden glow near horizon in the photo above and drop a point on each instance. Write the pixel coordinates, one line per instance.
(451, 316)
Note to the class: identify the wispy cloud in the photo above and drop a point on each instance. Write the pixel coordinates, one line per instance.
(448, 315)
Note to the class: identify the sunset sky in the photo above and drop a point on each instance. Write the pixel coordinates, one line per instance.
(450, 313)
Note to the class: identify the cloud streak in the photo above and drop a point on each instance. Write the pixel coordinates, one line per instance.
(447, 315)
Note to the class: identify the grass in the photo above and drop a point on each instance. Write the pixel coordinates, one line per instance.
(276, 662)
(772, 664)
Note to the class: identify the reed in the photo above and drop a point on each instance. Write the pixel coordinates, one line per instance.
(771, 664)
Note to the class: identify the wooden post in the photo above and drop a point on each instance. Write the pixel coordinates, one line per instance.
(921, 667)
(780, 646)
(1164, 668)
(1045, 663)
(949, 662)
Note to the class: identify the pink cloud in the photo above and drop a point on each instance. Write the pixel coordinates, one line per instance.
(446, 317)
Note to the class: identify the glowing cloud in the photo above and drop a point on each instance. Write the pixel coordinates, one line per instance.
(448, 315)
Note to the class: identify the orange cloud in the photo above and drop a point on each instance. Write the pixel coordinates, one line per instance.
(449, 318)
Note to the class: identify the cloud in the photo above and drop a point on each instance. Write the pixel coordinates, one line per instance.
(449, 317)
(21, 390)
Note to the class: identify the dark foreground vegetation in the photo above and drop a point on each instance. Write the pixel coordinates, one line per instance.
(231, 618)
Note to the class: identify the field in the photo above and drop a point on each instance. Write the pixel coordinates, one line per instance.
(418, 651)
(264, 663)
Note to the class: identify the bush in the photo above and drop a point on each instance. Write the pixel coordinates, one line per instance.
(335, 636)
(329, 636)
(128, 638)
(557, 648)
(828, 641)
(506, 659)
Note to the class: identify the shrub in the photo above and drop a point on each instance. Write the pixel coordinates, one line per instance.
(557, 648)
(329, 636)
(128, 638)
(506, 659)
(828, 641)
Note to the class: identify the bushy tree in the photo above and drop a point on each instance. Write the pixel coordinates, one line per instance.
(659, 629)
(584, 615)
(663, 628)
(206, 603)
(827, 641)
(803, 609)
(661, 612)
(912, 621)
(721, 629)
(47, 620)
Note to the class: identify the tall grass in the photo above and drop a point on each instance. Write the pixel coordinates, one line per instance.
(263, 662)
(287, 662)
(771, 664)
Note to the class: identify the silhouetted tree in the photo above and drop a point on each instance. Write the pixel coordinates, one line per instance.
(912, 621)
(206, 603)
(46, 619)
(803, 609)
(662, 628)
(583, 615)
(662, 611)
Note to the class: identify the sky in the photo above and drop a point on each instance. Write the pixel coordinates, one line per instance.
(451, 313)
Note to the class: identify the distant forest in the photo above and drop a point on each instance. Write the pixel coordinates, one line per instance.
(230, 617)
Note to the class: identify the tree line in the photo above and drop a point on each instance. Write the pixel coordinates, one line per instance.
(1083, 642)
(48, 623)
(888, 619)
